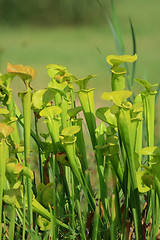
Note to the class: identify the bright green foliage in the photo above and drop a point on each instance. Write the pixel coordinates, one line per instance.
(62, 200)
(119, 73)
(50, 112)
(118, 97)
(83, 82)
(115, 60)
(70, 131)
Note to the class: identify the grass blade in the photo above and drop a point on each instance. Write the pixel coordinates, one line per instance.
(117, 37)
(117, 27)
(95, 223)
(134, 51)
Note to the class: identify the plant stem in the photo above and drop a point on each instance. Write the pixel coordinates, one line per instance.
(12, 223)
(54, 227)
(3, 158)
(26, 100)
(39, 154)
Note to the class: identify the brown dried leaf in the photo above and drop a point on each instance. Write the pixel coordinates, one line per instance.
(89, 220)
(101, 209)
(128, 229)
(18, 168)
(24, 72)
(149, 227)
(144, 231)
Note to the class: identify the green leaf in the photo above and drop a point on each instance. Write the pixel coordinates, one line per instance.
(57, 67)
(152, 151)
(156, 169)
(4, 111)
(118, 70)
(50, 112)
(147, 179)
(137, 107)
(115, 60)
(116, 96)
(14, 168)
(110, 116)
(145, 84)
(68, 139)
(100, 113)
(13, 197)
(39, 209)
(28, 172)
(48, 148)
(48, 96)
(142, 188)
(6, 79)
(148, 169)
(73, 111)
(106, 115)
(37, 99)
(18, 148)
(41, 98)
(44, 135)
(82, 83)
(101, 129)
(70, 130)
(111, 149)
(61, 88)
(52, 72)
(5, 91)
(47, 195)
(111, 130)
(43, 223)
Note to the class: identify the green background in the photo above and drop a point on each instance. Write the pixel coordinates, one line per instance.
(76, 34)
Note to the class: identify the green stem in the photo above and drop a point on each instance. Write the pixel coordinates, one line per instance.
(100, 167)
(14, 134)
(70, 150)
(82, 149)
(26, 100)
(3, 158)
(80, 220)
(87, 101)
(64, 106)
(54, 227)
(148, 99)
(124, 125)
(113, 218)
(24, 209)
(149, 115)
(33, 135)
(73, 200)
(118, 82)
(96, 223)
(53, 127)
(12, 223)
(4, 225)
(39, 150)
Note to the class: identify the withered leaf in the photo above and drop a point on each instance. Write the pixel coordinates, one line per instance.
(24, 72)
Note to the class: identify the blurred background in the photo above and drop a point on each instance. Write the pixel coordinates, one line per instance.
(76, 34)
